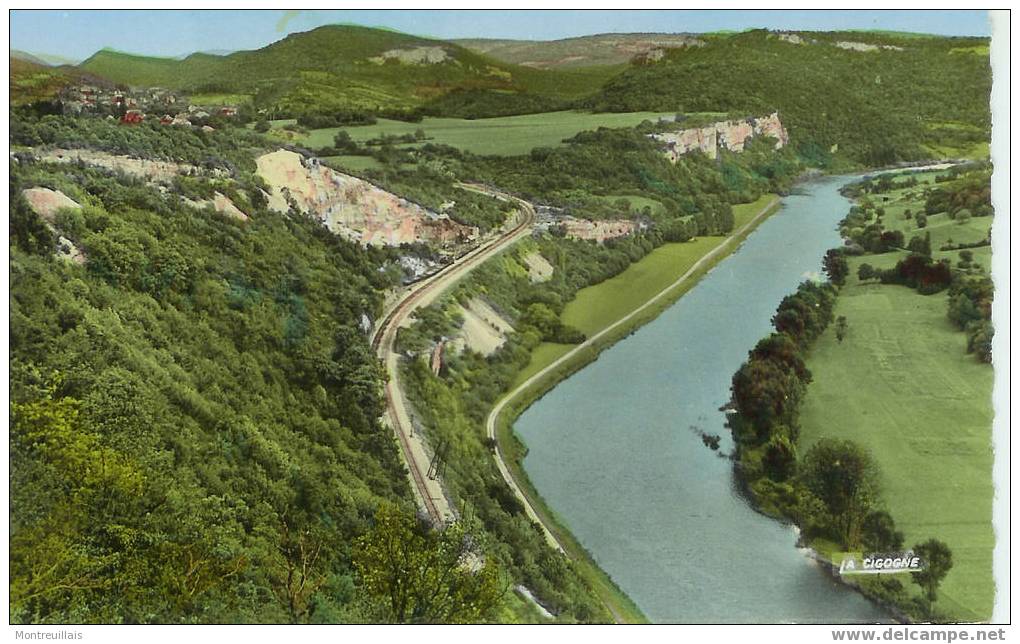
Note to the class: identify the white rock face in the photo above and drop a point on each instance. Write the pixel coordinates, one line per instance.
(67, 251)
(728, 135)
(539, 268)
(484, 330)
(46, 202)
(221, 204)
(413, 56)
(148, 169)
(352, 207)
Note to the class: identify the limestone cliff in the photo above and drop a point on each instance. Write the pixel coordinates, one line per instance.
(727, 135)
(353, 207)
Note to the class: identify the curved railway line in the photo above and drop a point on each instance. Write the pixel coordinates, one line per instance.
(413, 448)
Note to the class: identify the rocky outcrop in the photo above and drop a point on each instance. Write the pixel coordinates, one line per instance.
(413, 56)
(863, 46)
(352, 207)
(148, 169)
(484, 330)
(46, 203)
(221, 204)
(727, 135)
(598, 231)
(67, 251)
(539, 268)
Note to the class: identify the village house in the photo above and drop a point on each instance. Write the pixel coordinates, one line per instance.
(132, 117)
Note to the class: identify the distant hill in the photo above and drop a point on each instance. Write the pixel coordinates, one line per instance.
(584, 51)
(24, 56)
(874, 98)
(346, 67)
(31, 81)
(42, 58)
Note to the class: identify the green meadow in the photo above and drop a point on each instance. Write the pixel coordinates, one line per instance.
(596, 307)
(902, 384)
(505, 136)
(940, 226)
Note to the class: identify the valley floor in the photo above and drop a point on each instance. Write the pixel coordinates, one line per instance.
(902, 384)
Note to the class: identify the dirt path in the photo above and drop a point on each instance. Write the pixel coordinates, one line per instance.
(428, 490)
(490, 422)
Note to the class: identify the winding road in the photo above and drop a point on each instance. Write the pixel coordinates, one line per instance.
(428, 490)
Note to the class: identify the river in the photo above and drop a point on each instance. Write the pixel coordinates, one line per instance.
(615, 449)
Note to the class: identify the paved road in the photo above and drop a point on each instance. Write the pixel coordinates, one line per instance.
(414, 449)
(490, 422)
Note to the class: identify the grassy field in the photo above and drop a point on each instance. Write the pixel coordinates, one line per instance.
(352, 163)
(220, 99)
(509, 135)
(596, 307)
(942, 229)
(903, 385)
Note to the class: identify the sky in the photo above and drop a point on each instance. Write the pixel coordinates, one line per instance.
(78, 34)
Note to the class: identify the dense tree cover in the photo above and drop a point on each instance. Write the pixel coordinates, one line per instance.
(835, 266)
(863, 229)
(868, 107)
(419, 575)
(468, 103)
(622, 161)
(227, 148)
(844, 477)
(194, 410)
(218, 369)
(970, 309)
(337, 118)
(919, 272)
(962, 192)
(768, 387)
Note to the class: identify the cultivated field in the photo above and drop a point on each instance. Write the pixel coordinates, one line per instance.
(903, 385)
(506, 136)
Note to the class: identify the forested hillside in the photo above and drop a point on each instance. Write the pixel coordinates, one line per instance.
(194, 410)
(335, 68)
(858, 98)
(873, 99)
(195, 407)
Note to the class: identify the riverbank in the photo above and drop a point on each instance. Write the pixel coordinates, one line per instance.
(556, 365)
(896, 378)
(928, 401)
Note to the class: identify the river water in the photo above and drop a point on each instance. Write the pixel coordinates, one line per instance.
(615, 449)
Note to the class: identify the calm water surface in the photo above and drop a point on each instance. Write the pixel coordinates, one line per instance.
(615, 449)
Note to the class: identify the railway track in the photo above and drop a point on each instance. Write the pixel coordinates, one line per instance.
(428, 491)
